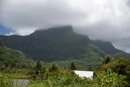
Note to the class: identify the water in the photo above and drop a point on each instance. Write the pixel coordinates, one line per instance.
(20, 82)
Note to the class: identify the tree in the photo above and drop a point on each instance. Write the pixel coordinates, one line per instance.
(38, 71)
(38, 65)
(73, 67)
(53, 68)
(110, 79)
(38, 68)
(107, 60)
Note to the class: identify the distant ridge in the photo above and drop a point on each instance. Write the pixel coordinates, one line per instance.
(107, 47)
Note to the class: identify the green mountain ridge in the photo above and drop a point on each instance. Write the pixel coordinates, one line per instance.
(106, 47)
(59, 43)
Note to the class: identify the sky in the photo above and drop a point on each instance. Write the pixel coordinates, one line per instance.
(107, 20)
(4, 30)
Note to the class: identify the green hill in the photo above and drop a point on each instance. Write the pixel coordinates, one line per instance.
(12, 58)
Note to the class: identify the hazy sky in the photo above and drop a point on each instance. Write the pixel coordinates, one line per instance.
(107, 20)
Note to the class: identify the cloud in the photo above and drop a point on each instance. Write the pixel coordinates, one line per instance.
(44, 13)
(22, 32)
(106, 31)
(99, 19)
(123, 43)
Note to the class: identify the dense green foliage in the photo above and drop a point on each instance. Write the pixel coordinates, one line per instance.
(9, 57)
(118, 65)
(59, 43)
(56, 76)
(5, 83)
(12, 58)
(60, 77)
(110, 79)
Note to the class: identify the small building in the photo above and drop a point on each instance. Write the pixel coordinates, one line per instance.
(84, 74)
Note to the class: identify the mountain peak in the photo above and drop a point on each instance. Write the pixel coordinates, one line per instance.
(57, 29)
(62, 28)
(67, 27)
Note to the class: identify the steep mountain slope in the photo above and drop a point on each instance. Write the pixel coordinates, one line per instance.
(58, 43)
(10, 57)
(107, 47)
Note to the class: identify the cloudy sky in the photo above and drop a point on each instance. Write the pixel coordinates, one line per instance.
(107, 20)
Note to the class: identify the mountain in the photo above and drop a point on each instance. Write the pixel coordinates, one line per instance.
(107, 47)
(4, 30)
(59, 43)
(13, 58)
(1, 43)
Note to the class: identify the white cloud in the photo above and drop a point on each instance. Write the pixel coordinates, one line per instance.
(24, 31)
(100, 19)
(115, 11)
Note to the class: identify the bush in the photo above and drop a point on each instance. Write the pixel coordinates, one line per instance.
(110, 79)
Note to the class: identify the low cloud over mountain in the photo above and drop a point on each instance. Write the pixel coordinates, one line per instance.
(106, 20)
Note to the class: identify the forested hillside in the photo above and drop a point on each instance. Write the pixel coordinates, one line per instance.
(59, 43)
(12, 58)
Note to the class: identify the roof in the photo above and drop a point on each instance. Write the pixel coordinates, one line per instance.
(87, 74)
